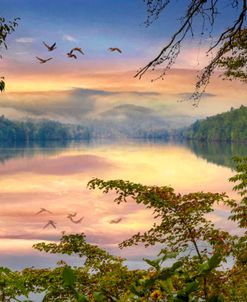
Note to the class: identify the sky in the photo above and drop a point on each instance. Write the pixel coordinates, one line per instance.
(97, 84)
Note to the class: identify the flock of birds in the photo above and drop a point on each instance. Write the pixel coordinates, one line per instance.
(52, 223)
(71, 53)
(70, 216)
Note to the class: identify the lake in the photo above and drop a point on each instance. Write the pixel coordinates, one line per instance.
(55, 177)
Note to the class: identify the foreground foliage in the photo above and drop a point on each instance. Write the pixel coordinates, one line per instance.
(197, 262)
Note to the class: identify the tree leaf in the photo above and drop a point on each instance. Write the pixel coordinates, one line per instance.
(83, 298)
(68, 276)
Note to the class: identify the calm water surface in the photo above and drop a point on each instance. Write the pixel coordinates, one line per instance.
(55, 177)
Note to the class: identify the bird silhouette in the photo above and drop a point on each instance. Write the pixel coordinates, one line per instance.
(114, 221)
(77, 49)
(70, 215)
(42, 61)
(50, 48)
(115, 49)
(43, 210)
(71, 55)
(77, 221)
(51, 223)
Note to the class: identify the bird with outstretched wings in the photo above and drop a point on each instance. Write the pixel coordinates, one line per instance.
(77, 49)
(115, 49)
(43, 210)
(50, 48)
(50, 223)
(114, 221)
(42, 61)
(71, 55)
(76, 221)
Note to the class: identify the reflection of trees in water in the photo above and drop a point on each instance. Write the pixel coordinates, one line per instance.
(218, 152)
(10, 151)
(26, 150)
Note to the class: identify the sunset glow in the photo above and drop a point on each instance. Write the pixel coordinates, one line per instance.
(99, 90)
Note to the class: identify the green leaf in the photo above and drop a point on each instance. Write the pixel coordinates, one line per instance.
(214, 261)
(204, 268)
(153, 263)
(177, 265)
(191, 287)
(99, 297)
(68, 276)
(83, 298)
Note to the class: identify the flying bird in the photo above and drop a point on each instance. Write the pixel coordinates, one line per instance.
(43, 210)
(51, 223)
(70, 215)
(115, 49)
(77, 221)
(77, 49)
(42, 61)
(71, 55)
(50, 48)
(115, 220)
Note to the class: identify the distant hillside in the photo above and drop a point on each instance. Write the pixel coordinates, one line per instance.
(230, 126)
(48, 130)
(42, 130)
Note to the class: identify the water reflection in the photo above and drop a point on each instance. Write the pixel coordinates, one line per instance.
(9, 151)
(218, 153)
(55, 177)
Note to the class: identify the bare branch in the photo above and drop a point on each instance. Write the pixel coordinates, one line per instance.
(170, 52)
(206, 11)
(154, 8)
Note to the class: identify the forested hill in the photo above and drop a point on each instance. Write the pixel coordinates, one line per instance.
(230, 126)
(48, 130)
(44, 130)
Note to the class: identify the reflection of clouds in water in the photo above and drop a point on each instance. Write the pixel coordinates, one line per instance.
(58, 183)
(29, 226)
(22, 223)
(62, 165)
